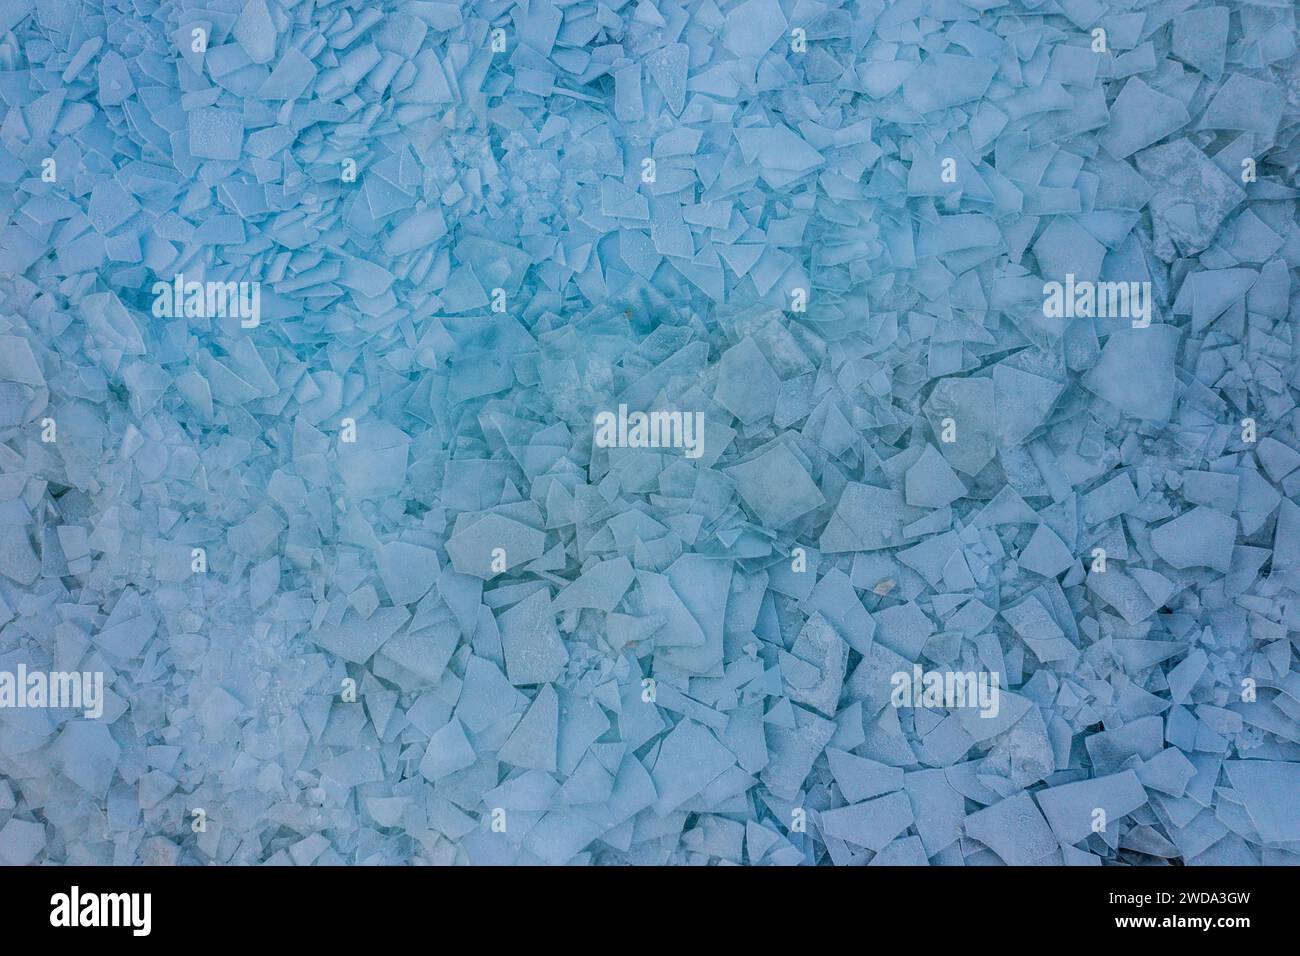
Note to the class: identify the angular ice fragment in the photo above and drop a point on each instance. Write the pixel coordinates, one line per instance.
(449, 750)
(1046, 553)
(1200, 38)
(485, 546)
(944, 80)
(485, 696)
(872, 824)
(965, 410)
(859, 778)
(88, 755)
(668, 66)
(776, 486)
(216, 133)
(355, 638)
(781, 154)
(1136, 371)
(115, 83)
(820, 647)
(931, 482)
(1201, 537)
(1139, 117)
(21, 842)
(1244, 103)
(1070, 808)
(255, 31)
(408, 570)
(752, 27)
(531, 642)
(689, 759)
(747, 385)
(867, 518)
(1014, 830)
(793, 752)
(1192, 200)
(602, 586)
(532, 744)
(1267, 789)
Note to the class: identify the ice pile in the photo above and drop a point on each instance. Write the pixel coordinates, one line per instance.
(307, 312)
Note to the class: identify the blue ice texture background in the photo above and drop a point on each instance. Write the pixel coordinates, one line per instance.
(365, 588)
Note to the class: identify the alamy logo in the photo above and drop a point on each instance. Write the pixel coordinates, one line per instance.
(1101, 300)
(947, 689)
(61, 689)
(215, 300)
(651, 430)
(102, 909)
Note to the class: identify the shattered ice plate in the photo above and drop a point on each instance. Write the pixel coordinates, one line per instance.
(760, 432)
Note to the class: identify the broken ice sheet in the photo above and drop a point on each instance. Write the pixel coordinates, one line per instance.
(776, 485)
(407, 570)
(1136, 371)
(601, 586)
(872, 824)
(1199, 537)
(1139, 117)
(826, 229)
(780, 154)
(487, 545)
(814, 668)
(534, 653)
(867, 518)
(1014, 830)
(1074, 809)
